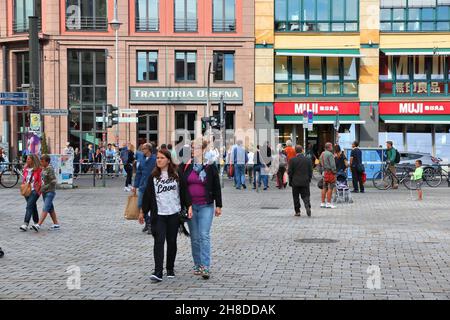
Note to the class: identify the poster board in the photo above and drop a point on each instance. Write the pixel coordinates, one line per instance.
(373, 160)
(63, 166)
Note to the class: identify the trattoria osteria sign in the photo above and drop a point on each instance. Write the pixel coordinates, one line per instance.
(415, 108)
(185, 95)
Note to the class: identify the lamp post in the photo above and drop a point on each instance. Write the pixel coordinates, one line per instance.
(115, 25)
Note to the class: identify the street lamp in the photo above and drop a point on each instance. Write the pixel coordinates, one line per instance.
(115, 25)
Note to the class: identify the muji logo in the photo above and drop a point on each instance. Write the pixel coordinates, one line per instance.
(411, 108)
(300, 107)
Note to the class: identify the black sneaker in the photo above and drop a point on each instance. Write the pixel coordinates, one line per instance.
(156, 277)
(170, 274)
(145, 228)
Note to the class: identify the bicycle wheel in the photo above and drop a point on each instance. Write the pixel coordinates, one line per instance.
(9, 178)
(382, 180)
(410, 184)
(432, 177)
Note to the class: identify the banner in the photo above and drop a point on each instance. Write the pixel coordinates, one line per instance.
(415, 108)
(318, 108)
(32, 144)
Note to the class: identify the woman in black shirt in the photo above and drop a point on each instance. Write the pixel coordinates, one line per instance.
(341, 159)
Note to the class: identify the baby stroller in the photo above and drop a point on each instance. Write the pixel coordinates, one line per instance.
(343, 194)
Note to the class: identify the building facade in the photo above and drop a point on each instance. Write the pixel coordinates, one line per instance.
(164, 50)
(380, 66)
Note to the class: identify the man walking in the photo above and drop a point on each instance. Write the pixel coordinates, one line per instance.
(300, 174)
(357, 168)
(240, 159)
(329, 176)
(143, 172)
(393, 157)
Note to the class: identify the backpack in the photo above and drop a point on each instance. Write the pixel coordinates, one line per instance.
(397, 156)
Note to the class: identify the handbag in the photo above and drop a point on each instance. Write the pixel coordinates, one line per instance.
(184, 215)
(132, 209)
(25, 189)
(320, 184)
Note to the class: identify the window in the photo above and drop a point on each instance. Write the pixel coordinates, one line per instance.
(391, 132)
(419, 138)
(316, 76)
(185, 65)
(224, 16)
(414, 75)
(185, 125)
(223, 66)
(87, 96)
(22, 10)
(147, 15)
(22, 68)
(147, 127)
(442, 142)
(147, 65)
(185, 15)
(316, 15)
(415, 15)
(86, 15)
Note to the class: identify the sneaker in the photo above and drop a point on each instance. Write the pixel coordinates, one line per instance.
(330, 206)
(323, 205)
(126, 189)
(205, 273)
(197, 270)
(156, 277)
(170, 274)
(145, 229)
(36, 227)
(24, 227)
(55, 227)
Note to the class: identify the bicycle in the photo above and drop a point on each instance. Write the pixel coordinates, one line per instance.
(9, 176)
(384, 179)
(433, 176)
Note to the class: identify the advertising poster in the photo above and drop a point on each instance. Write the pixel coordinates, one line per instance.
(63, 166)
(33, 144)
(35, 122)
(373, 161)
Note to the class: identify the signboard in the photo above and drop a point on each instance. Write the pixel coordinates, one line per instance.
(128, 120)
(305, 119)
(415, 108)
(129, 111)
(318, 108)
(35, 122)
(63, 166)
(184, 95)
(14, 95)
(310, 120)
(373, 160)
(9, 102)
(55, 112)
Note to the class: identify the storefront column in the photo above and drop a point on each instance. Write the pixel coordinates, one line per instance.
(294, 135)
(368, 133)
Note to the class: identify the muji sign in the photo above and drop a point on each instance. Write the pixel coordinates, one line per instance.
(318, 108)
(411, 108)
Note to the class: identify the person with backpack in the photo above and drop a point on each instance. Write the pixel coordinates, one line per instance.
(393, 157)
(357, 168)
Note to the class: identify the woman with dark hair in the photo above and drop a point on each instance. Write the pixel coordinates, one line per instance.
(340, 159)
(165, 196)
(32, 177)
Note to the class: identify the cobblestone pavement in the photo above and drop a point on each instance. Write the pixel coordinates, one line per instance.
(256, 254)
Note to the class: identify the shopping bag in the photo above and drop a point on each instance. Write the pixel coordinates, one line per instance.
(132, 209)
(285, 179)
(231, 170)
(364, 177)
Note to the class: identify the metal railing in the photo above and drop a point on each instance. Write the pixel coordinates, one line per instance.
(23, 26)
(86, 23)
(144, 24)
(228, 25)
(186, 25)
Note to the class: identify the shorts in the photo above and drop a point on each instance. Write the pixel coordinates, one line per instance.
(48, 202)
(418, 184)
(329, 186)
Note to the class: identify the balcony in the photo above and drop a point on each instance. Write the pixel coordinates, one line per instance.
(86, 23)
(23, 26)
(149, 25)
(224, 25)
(186, 25)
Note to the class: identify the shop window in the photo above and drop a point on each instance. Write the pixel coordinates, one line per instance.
(391, 132)
(442, 142)
(419, 138)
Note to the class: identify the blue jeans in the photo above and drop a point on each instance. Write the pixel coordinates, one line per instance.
(239, 175)
(261, 177)
(200, 229)
(48, 202)
(32, 208)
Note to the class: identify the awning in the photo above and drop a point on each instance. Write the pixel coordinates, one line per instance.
(351, 53)
(416, 52)
(320, 119)
(434, 119)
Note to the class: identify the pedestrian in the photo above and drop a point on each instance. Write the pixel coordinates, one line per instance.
(309, 153)
(357, 168)
(68, 150)
(250, 163)
(300, 174)
(173, 153)
(48, 191)
(340, 159)
(289, 150)
(282, 167)
(76, 162)
(145, 167)
(203, 184)
(98, 158)
(32, 177)
(393, 158)
(165, 196)
(129, 167)
(91, 158)
(163, 147)
(418, 179)
(110, 153)
(328, 164)
(266, 162)
(239, 160)
(124, 156)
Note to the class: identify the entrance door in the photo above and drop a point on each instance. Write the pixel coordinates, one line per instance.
(147, 127)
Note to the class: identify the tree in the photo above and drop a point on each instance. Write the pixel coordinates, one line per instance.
(44, 146)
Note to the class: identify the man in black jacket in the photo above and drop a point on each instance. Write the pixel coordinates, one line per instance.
(300, 175)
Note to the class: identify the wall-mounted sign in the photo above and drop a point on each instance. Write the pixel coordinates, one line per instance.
(55, 112)
(184, 95)
(318, 108)
(413, 107)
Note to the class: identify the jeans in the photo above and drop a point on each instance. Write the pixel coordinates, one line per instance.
(357, 179)
(250, 172)
(166, 229)
(304, 192)
(262, 177)
(239, 175)
(129, 170)
(48, 202)
(32, 208)
(200, 229)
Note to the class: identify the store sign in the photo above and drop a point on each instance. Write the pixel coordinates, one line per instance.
(418, 87)
(184, 95)
(415, 108)
(318, 108)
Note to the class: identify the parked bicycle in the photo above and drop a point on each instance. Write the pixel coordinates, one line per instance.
(433, 177)
(10, 174)
(384, 179)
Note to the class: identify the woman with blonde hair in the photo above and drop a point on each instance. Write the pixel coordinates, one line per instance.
(32, 181)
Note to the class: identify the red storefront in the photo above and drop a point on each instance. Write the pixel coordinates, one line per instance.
(416, 126)
(289, 121)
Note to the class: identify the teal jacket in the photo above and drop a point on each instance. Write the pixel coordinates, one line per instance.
(391, 153)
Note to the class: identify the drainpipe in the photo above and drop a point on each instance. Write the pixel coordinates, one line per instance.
(6, 112)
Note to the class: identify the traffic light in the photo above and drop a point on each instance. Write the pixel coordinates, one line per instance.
(212, 121)
(112, 115)
(222, 113)
(205, 120)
